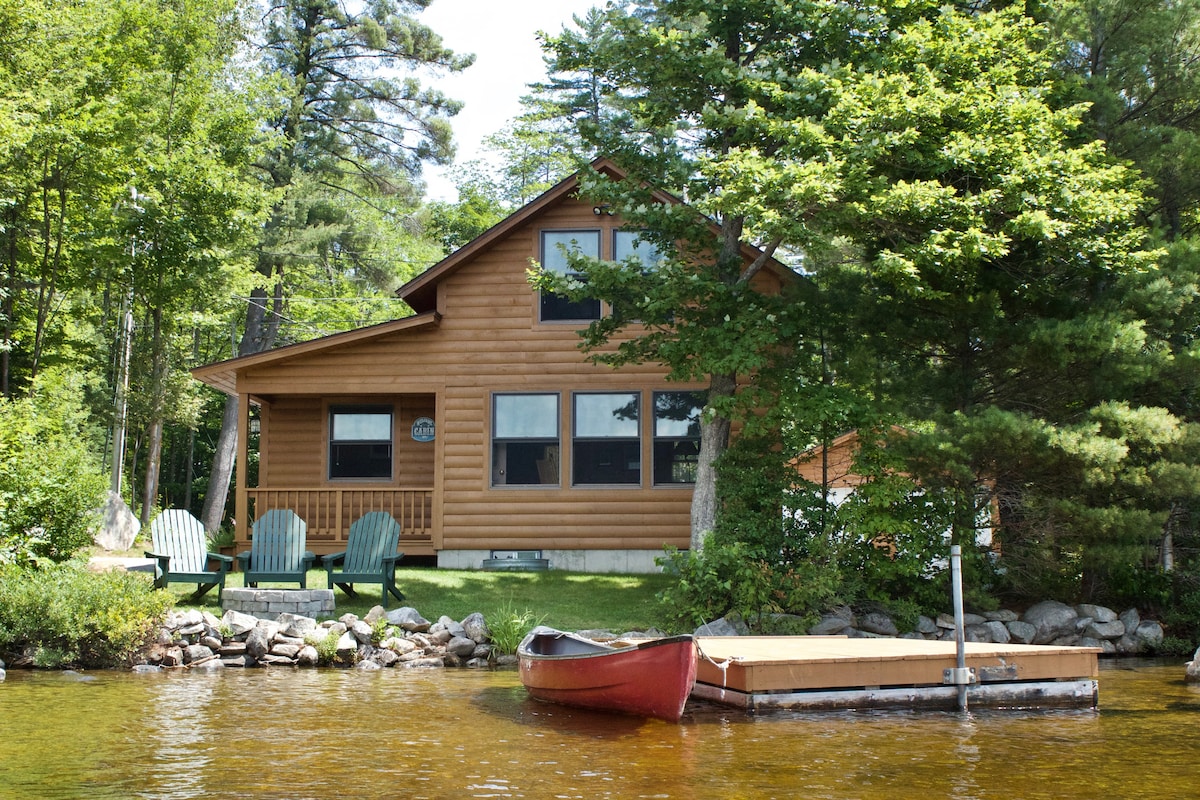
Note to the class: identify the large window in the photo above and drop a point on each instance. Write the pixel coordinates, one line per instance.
(606, 448)
(631, 243)
(525, 444)
(555, 247)
(676, 436)
(360, 442)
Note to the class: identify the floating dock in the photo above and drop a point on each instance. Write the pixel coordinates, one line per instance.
(832, 672)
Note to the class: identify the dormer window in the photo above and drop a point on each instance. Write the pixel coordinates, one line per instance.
(554, 249)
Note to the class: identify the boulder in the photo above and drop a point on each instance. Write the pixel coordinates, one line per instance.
(831, 625)
(384, 657)
(362, 631)
(718, 627)
(408, 619)
(993, 631)
(285, 650)
(878, 623)
(476, 627)
(211, 665)
(452, 625)
(1192, 673)
(196, 652)
(1021, 632)
(1149, 636)
(119, 528)
(1052, 619)
(308, 656)
(1096, 629)
(1097, 613)
(347, 646)
(238, 622)
(295, 625)
(258, 643)
(461, 646)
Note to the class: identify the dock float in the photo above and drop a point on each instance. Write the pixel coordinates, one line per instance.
(833, 672)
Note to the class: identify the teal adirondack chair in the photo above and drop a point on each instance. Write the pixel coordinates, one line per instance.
(277, 553)
(180, 547)
(370, 556)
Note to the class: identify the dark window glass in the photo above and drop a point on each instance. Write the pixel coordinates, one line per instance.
(555, 246)
(607, 445)
(676, 436)
(525, 446)
(360, 442)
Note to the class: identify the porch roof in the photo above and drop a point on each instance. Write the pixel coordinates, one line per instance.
(223, 374)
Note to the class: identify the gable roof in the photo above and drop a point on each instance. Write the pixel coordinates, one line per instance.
(421, 292)
(222, 374)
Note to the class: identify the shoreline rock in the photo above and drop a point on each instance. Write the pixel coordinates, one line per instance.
(397, 639)
(1046, 623)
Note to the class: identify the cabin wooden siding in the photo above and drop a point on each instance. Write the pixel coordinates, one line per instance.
(487, 340)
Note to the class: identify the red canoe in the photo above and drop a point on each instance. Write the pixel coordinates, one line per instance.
(651, 678)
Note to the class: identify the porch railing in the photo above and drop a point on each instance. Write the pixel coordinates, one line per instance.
(329, 512)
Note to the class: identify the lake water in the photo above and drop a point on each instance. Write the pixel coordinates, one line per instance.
(465, 734)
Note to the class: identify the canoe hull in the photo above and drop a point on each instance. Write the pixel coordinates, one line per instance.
(651, 678)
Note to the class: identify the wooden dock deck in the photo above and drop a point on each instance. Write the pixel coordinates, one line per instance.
(829, 672)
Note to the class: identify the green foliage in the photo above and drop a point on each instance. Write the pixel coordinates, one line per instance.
(325, 646)
(64, 615)
(50, 489)
(508, 626)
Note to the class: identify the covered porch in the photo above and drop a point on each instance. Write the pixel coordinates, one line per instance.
(302, 454)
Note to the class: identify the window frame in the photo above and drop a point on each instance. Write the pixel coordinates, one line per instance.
(624, 446)
(334, 444)
(497, 470)
(672, 441)
(550, 301)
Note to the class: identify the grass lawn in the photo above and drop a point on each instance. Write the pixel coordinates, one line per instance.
(565, 600)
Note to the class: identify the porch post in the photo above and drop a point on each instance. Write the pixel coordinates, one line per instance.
(240, 512)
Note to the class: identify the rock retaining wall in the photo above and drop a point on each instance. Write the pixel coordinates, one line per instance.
(1048, 622)
(401, 638)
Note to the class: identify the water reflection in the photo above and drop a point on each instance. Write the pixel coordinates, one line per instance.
(460, 734)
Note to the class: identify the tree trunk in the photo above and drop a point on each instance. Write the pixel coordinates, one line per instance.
(158, 371)
(153, 463)
(714, 439)
(256, 338)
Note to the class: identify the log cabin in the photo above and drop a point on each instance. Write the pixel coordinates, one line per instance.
(477, 421)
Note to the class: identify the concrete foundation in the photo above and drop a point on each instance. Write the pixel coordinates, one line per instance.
(595, 561)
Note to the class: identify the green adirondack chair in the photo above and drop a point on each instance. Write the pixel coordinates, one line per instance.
(277, 553)
(370, 556)
(180, 547)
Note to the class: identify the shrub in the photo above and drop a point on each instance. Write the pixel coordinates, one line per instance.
(64, 615)
(50, 490)
(509, 626)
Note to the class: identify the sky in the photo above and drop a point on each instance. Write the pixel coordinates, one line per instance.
(502, 35)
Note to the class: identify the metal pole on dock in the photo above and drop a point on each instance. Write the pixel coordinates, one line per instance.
(961, 676)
